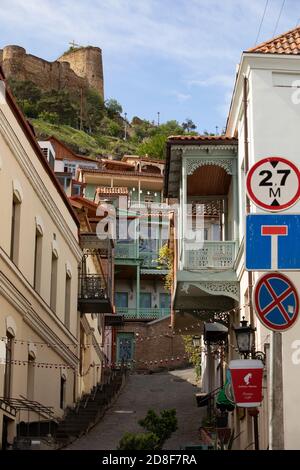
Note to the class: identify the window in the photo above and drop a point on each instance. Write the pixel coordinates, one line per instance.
(62, 392)
(53, 285)
(76, 189)
(15, 230)
(8, 365)
(121, 299)
(51, 160)
(65, 182)
(70, 168)
(37, 274)
(68, 301)
(164, 300)
(145, 300)
(30, 377)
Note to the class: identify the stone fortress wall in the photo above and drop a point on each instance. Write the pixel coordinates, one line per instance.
(80, 68)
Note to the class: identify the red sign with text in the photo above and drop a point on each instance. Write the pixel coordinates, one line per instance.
(246, 379)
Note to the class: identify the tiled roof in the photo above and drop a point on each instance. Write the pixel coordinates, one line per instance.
(287, 43)
(141, 174)
(201, 138)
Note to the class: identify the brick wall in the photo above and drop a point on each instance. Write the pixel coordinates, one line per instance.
(151, 354)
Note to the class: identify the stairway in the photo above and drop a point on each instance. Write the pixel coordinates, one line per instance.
(89, 410)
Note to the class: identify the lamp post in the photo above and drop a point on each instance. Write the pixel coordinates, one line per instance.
(245, 341)
(244, 337)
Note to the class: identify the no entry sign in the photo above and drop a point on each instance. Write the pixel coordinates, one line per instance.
(276, 301)
(246, 377)
(273, 184)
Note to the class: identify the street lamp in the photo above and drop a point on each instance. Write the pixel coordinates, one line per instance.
(245, 338)
(245, 341)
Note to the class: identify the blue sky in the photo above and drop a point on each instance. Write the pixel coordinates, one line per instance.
(177, 57)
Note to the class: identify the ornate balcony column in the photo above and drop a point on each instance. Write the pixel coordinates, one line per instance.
(235, 198)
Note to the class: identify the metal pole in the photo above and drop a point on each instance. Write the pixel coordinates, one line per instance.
(256, 436)
(277, 422)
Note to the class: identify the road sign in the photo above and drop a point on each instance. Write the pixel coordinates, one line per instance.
(272, 242)
(273, 184)
(246, 376)
(276, 301)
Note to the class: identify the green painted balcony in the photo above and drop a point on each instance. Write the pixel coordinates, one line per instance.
(126, 250)
(132, 251)
(143, 313)
(219, 255)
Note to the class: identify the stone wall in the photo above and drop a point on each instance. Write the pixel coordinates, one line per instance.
(162, 349)
(80, 69)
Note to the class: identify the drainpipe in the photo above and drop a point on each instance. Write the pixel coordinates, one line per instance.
(246, 151)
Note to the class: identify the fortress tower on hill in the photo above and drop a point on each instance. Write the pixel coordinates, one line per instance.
(78, 68)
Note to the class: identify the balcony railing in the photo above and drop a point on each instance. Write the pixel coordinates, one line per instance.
(126, 251)
(219, 255)
(143, 313)
(92, 294)
(149, 259)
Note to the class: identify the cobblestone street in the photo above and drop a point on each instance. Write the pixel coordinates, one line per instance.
(158, 391)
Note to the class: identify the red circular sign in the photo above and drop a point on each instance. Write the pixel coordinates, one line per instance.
(273, 184)
(276, 301)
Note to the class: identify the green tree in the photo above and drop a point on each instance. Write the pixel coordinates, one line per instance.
(60, 102)
(25, 90)
(53, 118)
(153, 146)
(171, 128)
(94, 110)
(188, 125)
(113, 107)
(162, 426)
(139, 441)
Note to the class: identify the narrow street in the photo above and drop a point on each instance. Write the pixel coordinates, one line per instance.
(158, 391)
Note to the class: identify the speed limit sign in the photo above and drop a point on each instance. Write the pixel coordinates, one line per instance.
(273, 184)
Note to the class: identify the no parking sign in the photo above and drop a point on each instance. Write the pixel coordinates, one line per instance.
(276, 301)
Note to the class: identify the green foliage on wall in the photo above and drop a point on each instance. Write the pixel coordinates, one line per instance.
(193, 354)
(166, 259)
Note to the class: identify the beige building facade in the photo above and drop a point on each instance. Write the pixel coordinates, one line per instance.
(39, 256)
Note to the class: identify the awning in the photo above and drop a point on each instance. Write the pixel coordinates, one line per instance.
(225, 397)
